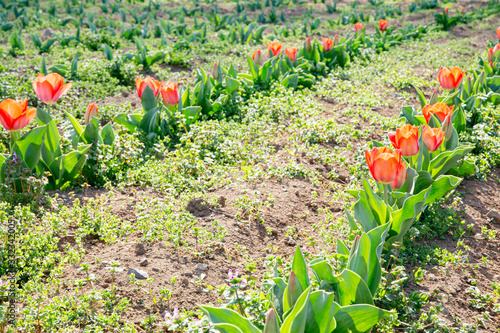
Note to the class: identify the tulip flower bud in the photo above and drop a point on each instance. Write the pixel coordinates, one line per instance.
(271, 325)
(359, 27)
(434, 98)
(498, 32)
(91, 112)
(308, 44)
(294, 289)
(491, 64)
(447, 127)
(491, 55)
(446, 11)
(336, 39)
(496, 49)
(256, 57)
(291, 53)
(215, 71)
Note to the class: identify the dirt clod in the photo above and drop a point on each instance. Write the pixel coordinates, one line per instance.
(494, 214)
(198, 207)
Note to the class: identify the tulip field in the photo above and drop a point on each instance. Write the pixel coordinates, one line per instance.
(250, 166)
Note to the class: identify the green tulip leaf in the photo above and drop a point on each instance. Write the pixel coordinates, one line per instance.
(358, 318)
(130, 121)
(29, 146)
(296, 320)
(228, 316)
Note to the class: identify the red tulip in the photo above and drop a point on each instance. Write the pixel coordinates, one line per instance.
(327, 44)
(15, 115)
(308, 44)
(406, 139)
(498, 32)
(91, 112)
(274, 47)
(50, 88)
(386, 166)
(432, 137)
(141, 84)
(336, 39)
(383, 24)
(291, 53)
(440, 110)
(256, 57)
(446, 11)
(359, 27)
(450, 78)
(169, 93)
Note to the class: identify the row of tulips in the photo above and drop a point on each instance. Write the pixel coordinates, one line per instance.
(419, 169)
(211, 94)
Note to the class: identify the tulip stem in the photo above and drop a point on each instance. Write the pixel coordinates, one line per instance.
(386, 193)
(14, 136)
(48, 109)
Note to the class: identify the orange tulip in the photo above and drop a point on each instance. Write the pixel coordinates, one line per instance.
(440, 109)
(141, 84)
(15, 115)
(50, 88)
(327, 44)
(274, 47)
(308, 44)
(432, 137)
(386, 166)
(498, 32)
(170, 93)
(450, 78)
(406, 139)
(256, 56)
(383, 24)
(291, 53)
(91, 112)
(491, 55)
(359, 27)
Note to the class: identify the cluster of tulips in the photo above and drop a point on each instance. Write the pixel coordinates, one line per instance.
(274, 49)
(388, 166)
(168, 90)
(16, 115)
(382, 26)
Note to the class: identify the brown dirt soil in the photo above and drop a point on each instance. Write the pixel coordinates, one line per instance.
(448, 285)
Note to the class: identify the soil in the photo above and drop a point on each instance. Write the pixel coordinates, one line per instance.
(448, 285)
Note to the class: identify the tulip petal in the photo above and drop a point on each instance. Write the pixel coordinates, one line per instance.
(61, 92)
